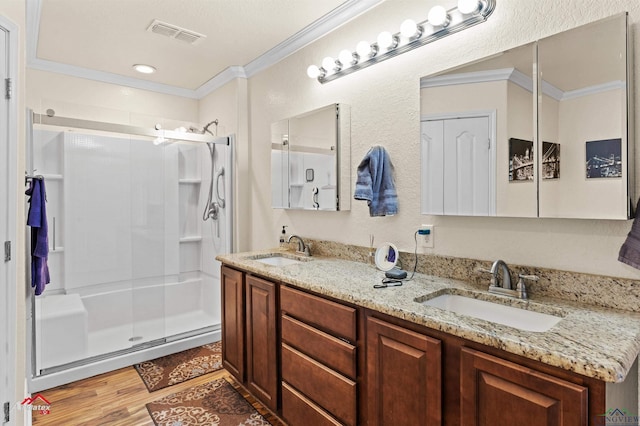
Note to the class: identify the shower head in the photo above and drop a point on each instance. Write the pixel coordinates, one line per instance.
(206, 127)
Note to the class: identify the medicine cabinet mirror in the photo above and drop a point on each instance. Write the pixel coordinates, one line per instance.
(310, 160)
(499, 139)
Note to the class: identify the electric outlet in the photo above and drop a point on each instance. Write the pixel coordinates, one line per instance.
(425, 236)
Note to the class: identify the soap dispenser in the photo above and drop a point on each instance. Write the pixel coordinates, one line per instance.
(282, 236)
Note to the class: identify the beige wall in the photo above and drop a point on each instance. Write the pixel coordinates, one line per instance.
(385, 104)
(92, 100)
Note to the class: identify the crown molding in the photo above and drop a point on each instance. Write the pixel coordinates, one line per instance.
(592, 90)
(520, 79)
(105, 77)
(317, 29)
(323, 26)
(510, 74)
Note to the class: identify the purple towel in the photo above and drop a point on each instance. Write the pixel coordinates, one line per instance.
(630, 250)
(37, 220)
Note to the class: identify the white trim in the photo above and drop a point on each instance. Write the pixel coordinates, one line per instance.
(12, 284)
(468, 77)
(220, 80)
(592, 90)
(105, 77)
(552, 91)
(520, 79)
(510, 74)
(316, 30)
(48, 381)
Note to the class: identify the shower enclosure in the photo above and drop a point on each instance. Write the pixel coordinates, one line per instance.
(131, 257)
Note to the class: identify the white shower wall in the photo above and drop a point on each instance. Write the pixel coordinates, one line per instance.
(132, 255)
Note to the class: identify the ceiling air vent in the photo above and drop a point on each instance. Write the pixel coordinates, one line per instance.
(173, 31)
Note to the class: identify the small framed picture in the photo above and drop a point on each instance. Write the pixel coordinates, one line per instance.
(604, 158)
(550, 160)
(520, 160)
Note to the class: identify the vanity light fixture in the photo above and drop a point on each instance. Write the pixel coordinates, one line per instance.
(439, 23)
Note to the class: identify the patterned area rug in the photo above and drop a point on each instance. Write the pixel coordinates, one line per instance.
(216, 403)
(180, 367)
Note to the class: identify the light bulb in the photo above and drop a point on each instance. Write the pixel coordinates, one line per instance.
(467, 7)
(438, 16)
(386, 40)
(346, 58)
(364, 50)
(313, 71)
(329, 64)
(144, 69)
(409, 29)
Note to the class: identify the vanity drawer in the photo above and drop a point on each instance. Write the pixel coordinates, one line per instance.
(329, 316)
(330, 390)
(319, 345)
(300, 410)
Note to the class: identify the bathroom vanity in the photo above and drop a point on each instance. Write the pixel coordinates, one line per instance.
(316, 343)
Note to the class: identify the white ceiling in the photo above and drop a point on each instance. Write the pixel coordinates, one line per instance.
(102, 39)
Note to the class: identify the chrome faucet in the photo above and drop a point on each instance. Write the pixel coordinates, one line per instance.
(495, 276)
(302, 247)
(503, 286)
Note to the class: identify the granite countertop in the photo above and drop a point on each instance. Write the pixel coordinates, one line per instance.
(592, 341)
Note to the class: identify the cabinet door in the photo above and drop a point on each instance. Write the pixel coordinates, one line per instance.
(233, 321)
(261, 318)
(495, 391)
(404, 382)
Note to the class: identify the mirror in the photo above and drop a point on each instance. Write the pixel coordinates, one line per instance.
(310, 160)
(490, 149)
(583, 122)
(386, 257)
(468, 116)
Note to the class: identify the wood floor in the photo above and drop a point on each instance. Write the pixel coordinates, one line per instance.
(117, 398)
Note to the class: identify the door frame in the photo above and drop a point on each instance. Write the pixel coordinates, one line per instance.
(9, 320)
(493, 145)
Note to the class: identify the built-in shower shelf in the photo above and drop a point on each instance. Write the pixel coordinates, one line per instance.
(194, 181)
(48, 176)
(191, 239)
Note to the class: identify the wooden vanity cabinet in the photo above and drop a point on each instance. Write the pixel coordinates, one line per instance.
(495, 391)
(325, 363)
(250, 333)
(319, 374)
(420, 376)
(232, 287)
(404, 376)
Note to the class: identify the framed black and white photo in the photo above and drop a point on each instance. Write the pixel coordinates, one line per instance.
(520, 160)
(550, 160)
(604, 158)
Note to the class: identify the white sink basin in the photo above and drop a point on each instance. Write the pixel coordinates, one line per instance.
(278, 261)
(494, 312)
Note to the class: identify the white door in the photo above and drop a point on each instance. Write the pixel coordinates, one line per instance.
(458, 166)
(8, 145)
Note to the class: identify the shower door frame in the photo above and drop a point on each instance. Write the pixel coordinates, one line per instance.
(149, 350)
(8, 319)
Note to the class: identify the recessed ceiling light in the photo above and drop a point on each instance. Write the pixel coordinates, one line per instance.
(144, 69)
